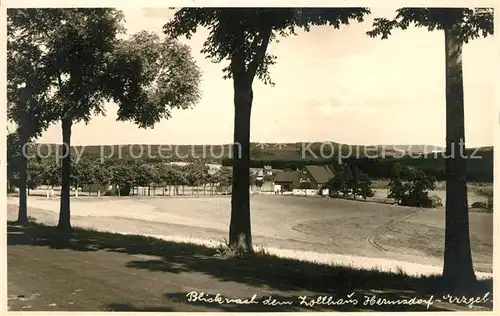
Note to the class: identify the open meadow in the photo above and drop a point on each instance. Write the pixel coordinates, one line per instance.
(314, 227)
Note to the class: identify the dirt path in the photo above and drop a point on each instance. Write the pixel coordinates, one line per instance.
(385, 227)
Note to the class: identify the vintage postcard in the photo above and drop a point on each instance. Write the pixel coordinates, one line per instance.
(210, 157)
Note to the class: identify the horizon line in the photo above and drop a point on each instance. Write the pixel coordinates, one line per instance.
(262, 142)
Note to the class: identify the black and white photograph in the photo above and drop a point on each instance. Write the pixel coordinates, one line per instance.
(240, 157)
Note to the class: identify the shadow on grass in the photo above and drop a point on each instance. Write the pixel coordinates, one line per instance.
(293, 277)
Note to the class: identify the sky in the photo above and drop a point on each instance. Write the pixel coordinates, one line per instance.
(331, 85)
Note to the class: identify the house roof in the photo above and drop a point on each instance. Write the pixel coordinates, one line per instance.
(257, 171)
(213, 168)
(287, 177)
(320, 174)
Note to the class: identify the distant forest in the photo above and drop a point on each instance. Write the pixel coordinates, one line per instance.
(294, 156)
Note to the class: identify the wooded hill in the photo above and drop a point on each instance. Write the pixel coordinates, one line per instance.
(296, 155)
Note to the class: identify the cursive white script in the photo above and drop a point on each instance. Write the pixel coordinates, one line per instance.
(327, 300)
(469, 301)
(374, 300)
(194, 296)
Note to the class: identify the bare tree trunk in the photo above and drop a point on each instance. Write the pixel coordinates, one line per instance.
(240, 233)
(22, 217)
(458, 269)
(64, 212)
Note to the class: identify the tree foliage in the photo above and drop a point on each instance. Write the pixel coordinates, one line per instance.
(29, 100)
(349, 181)
(413, 191)
(80, 63)
(149, 76)
(75, 45)
(473, 23)
(257, 27)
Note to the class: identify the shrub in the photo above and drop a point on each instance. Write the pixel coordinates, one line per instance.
(125, 190)
(224, 251)
(486, 192)
(481, 205)
(397, 190)
(349, 182)
(436, 201)
(412, 192)
(110, 193)
(420, 200)
(362, 184)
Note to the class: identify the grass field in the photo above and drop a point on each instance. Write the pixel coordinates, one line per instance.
(313, 246)
(311, 224)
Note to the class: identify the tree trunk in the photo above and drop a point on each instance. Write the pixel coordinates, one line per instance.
(240, 234)
(22, 217)
(458, 270)
(64, 213)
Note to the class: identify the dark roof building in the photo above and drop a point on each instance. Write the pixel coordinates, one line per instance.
(288, 180)
(287, 177)
(319, 175)
(310, 177)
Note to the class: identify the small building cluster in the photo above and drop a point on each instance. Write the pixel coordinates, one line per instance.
(306, 181)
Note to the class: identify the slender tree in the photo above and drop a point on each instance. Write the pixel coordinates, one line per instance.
(14, 152)
(78, 42)
(459, 25)
(241, 38)
(102, 174)
(51, 171)
(28, 93)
